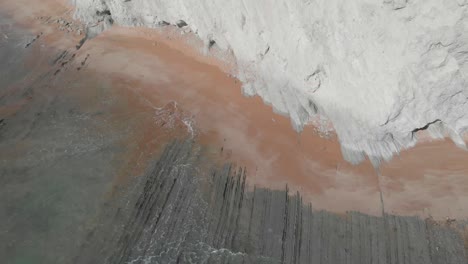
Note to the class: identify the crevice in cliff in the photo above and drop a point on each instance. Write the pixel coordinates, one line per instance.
(424, 127)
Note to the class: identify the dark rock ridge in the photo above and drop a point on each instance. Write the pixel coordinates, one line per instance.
(179, 214)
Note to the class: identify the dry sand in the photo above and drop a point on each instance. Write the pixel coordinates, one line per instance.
(157, 68)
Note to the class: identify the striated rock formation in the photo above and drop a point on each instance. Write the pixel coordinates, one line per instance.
(176, 213)
(379, 70)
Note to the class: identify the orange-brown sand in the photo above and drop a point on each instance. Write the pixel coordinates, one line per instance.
(160, 67)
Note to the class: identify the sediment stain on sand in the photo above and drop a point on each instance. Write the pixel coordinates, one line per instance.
(249, 133)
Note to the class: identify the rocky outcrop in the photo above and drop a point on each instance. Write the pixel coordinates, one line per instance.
(180, 213)
(377, 69)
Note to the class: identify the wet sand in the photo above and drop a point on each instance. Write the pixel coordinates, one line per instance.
(154, 68)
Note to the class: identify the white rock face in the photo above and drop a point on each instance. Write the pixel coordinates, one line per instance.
(378, 69)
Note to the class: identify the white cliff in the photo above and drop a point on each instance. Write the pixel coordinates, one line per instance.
(380, 70)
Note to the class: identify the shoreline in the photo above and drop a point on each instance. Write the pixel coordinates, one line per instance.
(265, 142)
